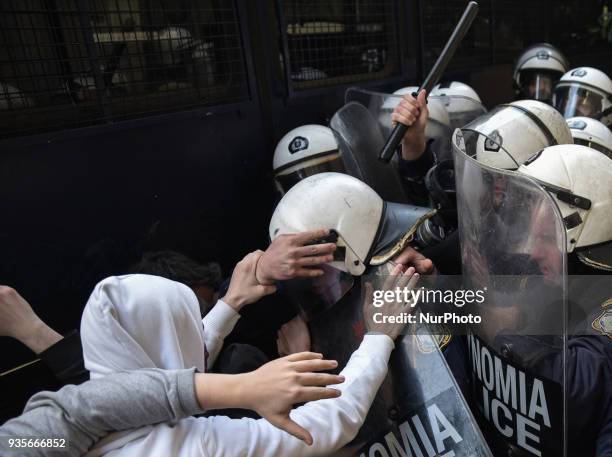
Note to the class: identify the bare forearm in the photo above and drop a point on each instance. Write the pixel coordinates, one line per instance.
(220, 391)
(412, 150)
(38, 336)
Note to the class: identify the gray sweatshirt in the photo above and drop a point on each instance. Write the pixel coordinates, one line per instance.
(82, 415)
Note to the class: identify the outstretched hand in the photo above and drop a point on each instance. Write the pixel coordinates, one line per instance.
(273, 389)
(396, 279)
(282, 383)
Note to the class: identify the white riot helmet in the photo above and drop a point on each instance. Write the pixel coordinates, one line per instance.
(537, 70)
(510, 134)
(303, 152)
(367, 230)
(592, 133)
(462, 103)
(585, 92)
(569, 172)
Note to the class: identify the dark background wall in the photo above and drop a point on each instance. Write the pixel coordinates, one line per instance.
(176, 152)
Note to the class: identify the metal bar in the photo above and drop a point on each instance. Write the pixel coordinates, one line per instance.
(92, 53)
(282, 23)
(60, 49)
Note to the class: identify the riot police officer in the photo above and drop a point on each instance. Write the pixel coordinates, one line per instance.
(305, 151)
(369, 234)
(585, 91)
(537, 70)
(545, 334)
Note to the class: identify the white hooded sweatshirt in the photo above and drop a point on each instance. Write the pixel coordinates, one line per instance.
(140, 321)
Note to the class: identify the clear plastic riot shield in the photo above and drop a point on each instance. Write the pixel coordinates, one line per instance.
(419, 409)
(513, 247)
(461, 110)
(360, 140)
(381, 105)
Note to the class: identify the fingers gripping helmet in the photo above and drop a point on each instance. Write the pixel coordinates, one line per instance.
(508, 135)
(461, 102)
(580, 180)
(369, 230)
(537, 70)
(592, 133)
(585, 92)
(305, 151)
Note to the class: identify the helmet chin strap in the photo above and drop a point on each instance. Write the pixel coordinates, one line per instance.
(605, 113)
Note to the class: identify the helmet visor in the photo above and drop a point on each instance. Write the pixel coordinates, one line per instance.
(538, 85)
(506, 137)
(462, 110)
(315, 295)
(399, 228)
(286, 178)
(598, 256)
(576, 100)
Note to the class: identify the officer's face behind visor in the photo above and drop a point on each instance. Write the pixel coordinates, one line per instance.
(539, 85)
(401, 225)
(573, 100)
(287, 177)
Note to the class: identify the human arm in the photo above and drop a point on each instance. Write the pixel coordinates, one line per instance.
(332, 422)
(65, 359)
(243, 290)
(412, 112)
(415, 154)
(83, 414)
(18, 320)
(293, 337)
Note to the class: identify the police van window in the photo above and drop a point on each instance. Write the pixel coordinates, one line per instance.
(69, 63)
(330, 42)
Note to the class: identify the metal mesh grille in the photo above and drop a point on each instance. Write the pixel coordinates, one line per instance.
(518, 25)
(439, 18)
(335, 42)
(69, 63)
(504, 28)
(580, 28)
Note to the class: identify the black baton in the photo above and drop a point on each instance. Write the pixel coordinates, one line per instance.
(434, 75)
